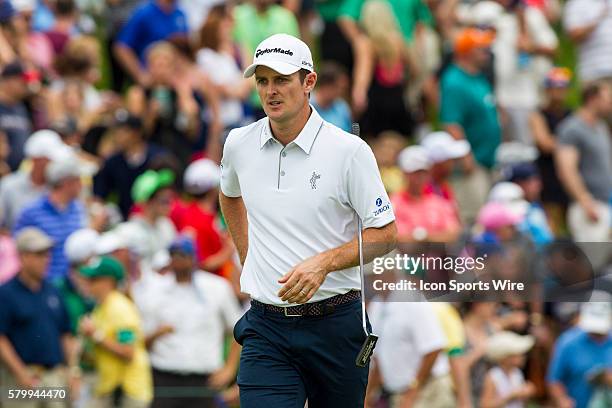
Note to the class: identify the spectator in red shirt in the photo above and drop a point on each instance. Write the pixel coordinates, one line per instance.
(199, 217)
(420, 216)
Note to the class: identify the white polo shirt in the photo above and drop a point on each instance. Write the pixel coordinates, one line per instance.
(301, 199)
(201, 312)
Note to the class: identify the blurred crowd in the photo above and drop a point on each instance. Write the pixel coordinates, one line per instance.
(120, 281)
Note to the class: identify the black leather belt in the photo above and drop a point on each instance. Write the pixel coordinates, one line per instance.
(320, 308)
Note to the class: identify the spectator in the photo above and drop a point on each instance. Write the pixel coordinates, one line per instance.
(589, 25)
(15, 122)
(34, 47)
(114, 327)
(167, 105)
(133, 158)
(504, 385)
(578, 351)
(256, 20)
(419, 216)
(327, 98)
(443, 152)
(21, 188)
(59, 212)
(584, 163)
(524, 46)
(409, 356)
(116, 15)
(386, 107)
(468, 112)
(479, 327)
(65, 14)
(35, 340)
(535, 223)
(343, 42)
(386, 148)
(153, 190)
(214, 248)
(544, 126)
(194, 314)
(219, 57)
(154, 21)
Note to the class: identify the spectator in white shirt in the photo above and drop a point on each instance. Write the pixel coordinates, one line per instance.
(187, 328)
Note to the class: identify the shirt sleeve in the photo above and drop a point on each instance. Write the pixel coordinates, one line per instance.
(568, 136)
(351, 9)
(101, 183)
(429, 335)
(366, 192)
(23, 220)
(451, 106)
(230, 185)
(579, 13)
(130, 34)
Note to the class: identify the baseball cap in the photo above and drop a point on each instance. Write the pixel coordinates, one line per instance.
(283, 53)
(558, 77)
(32, 239)
(43, 143)
(184, 245)
(441, 146)
(64, 164)
(506, 343)
(81, 245)
(485, 14)
(509, 153)
(7, 11)
(201, 176)
(413, 158)
(595, 317)
(495, 215)
(511, 195)
(519, 171)
(149, 182)
(103, 266)
(471, 38)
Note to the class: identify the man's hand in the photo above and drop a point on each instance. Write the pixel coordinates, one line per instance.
(222, 378)
(303, 281)
(87, 327)
(526, 391)
(27, 380)
(590, 208)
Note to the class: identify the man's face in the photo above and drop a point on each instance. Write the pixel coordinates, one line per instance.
(16, 86)
(72, 186)
(162, 202)
(481, 56)
(604, 101)
(181, 263)
(124, 137)
(282, 96)
(35, 264)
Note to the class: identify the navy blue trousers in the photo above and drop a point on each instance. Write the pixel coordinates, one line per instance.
(286, 360)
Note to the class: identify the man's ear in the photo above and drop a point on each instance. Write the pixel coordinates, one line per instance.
(310, 81)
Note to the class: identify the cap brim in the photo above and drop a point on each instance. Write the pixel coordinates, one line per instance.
(594, 325)
(459, 148)
(282, 68)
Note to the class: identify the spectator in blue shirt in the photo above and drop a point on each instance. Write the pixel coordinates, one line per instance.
(155, 21)
(577, 353)
(332, 83)
(59, 212)
(35, 338)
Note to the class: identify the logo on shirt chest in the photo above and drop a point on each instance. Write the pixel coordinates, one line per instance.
(313, 180)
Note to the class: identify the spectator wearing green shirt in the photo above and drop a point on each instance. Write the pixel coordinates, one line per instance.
(468, 111)
(254, 21)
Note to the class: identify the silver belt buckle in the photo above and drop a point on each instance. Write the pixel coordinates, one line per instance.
(290, 315)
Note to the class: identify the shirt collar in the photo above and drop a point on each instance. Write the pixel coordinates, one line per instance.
(305, 139)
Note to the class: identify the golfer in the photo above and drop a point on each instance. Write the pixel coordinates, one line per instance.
(292, 189)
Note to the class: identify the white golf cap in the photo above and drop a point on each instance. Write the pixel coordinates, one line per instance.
(43, 143)
(595, 317)
(283, 53)
(413, 158)
(506, 343)
(81, 245)
(65, 164)
(441, 146)
(201, 176)
(511, 195)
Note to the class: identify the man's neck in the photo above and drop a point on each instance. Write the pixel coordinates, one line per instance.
(287, 132)
(183, 277)
(467, 66)
(588, 115)
(37, 179)
(31, 283)
(58, 200)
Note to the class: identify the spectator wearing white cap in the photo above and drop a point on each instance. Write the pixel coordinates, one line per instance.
(21, 188)
(578, 351)
(199, 217)
(59, 212)
(420, 216)
(443, 151)
(504, 385)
